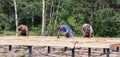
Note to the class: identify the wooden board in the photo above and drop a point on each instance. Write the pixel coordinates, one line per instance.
(63, 42)
(34, 41)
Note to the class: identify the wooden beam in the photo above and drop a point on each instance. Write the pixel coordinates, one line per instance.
(30, 51)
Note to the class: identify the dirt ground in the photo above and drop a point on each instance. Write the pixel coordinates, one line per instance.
(22, 51)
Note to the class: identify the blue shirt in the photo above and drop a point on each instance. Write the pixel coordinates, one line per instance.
(65, 27)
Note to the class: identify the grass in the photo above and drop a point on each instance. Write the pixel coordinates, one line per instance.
(8, 33)
(23, 55)
(13, 33)
(35, 32)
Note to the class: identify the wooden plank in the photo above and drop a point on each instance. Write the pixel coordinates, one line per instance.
(53, 41)
(36, 42)
(97, 45)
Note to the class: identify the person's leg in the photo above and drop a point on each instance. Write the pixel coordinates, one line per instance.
(69, 35)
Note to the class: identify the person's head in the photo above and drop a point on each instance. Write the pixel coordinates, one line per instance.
(88, 25)
(58, 27)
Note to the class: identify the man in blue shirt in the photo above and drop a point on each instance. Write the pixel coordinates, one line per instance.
(67, 31)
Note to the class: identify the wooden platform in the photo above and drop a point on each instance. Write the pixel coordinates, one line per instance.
(34, 41)
(73, 43)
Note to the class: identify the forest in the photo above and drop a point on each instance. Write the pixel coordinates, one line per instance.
(103, 15)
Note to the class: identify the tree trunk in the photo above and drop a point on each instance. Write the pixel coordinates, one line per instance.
(92, 8)
(43, 19)
(57, 14)
(16, 16)
(32, 19)
(51, 15)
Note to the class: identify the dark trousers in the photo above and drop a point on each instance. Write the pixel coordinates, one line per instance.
(23, 33)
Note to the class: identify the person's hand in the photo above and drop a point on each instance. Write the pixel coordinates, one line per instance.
(58, 37)
(84, 34)
(64, 33)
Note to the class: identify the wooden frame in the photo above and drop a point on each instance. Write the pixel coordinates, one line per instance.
(105, 43)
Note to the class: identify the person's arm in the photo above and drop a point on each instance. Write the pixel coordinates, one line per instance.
(91, 31)
(27, 32)
(90, 35)
(83, 31)
(58, 33)
(18, 28)
(66, 31)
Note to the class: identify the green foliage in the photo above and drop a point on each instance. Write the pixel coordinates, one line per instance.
(8, 33)
(3, 21)
(35, 31)
(107, 24)
(71, 21)
(23, 55)
(103, 15)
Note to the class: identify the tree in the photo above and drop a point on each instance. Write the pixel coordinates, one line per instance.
(43, 19)
(16, 16)
(46, 14)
